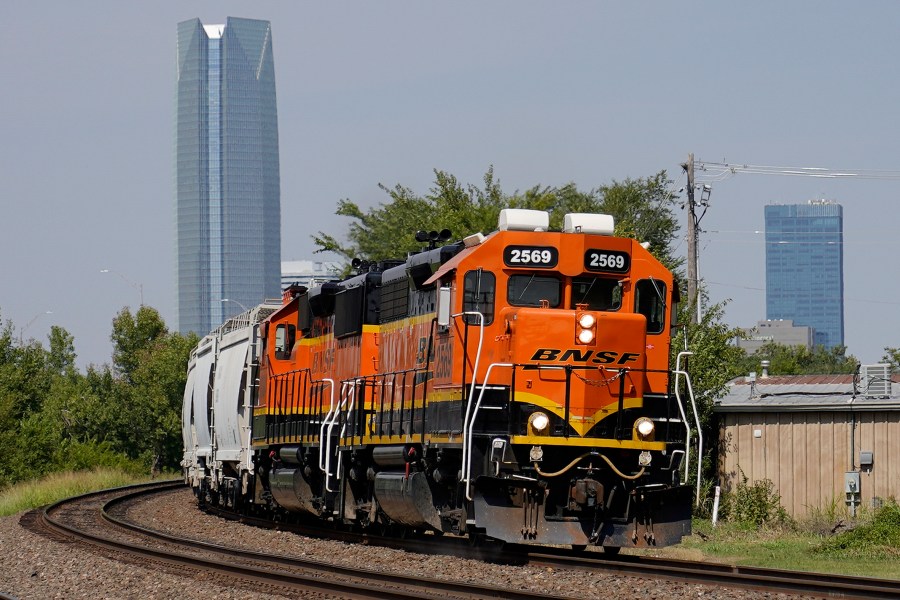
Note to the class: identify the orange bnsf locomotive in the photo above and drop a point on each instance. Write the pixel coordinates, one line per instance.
(514, 387)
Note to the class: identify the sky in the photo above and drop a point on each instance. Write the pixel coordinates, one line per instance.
(385, 92)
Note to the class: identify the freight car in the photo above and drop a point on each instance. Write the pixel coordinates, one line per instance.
(514, 386)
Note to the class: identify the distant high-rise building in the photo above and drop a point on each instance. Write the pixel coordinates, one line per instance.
(805, 267)
(228, 192)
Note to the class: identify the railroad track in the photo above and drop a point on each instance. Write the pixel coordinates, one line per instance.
(769, 580)
(756, 578)
(101, 520)
(88, 519)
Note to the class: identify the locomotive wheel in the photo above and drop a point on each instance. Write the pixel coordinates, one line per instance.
(611, 550)
(579, 547)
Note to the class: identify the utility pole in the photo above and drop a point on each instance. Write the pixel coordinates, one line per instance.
(693, 283)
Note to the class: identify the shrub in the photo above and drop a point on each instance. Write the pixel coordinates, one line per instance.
(754, 505)
(878, 538)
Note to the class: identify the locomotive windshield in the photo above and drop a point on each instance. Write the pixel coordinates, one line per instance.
(598, 293)
(529, 290)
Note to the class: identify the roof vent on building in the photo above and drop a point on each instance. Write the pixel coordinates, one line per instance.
(875, 380)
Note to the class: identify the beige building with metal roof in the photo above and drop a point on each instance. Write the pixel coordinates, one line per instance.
(821, 439)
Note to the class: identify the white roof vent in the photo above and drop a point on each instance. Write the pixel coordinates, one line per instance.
(589, 223)
(875, 381)
(473, 240)
(522, 219)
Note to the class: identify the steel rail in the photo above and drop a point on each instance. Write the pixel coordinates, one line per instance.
(759, 578)
(748, 577)
(233, 563)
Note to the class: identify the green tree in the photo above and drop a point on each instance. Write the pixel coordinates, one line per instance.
(643, 208)
(892, 357)
(714, 359)
(388, 230)
(800, 360)
(157, 396)
(54, 418)
(61, 357)
(131, 335)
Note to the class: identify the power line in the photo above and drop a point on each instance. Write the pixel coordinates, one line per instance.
(759, 289)
(719, 171)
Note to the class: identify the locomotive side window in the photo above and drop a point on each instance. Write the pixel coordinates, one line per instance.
(479, 288)
(650, 301)
(285, 336)
(597, 293)
(529, 290)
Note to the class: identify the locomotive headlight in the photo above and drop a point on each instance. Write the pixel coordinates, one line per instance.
(538, 422)
(585, 327)
(644, 427)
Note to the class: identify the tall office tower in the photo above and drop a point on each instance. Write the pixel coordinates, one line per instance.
(226, 171)
(805, 267)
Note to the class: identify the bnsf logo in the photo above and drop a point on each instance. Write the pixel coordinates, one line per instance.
(600, 357)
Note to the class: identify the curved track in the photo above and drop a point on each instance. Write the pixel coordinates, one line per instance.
(89, 519)
(757, 578)
(100, 520)
(769, 580)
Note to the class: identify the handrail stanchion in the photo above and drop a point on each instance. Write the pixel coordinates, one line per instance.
(687, 379)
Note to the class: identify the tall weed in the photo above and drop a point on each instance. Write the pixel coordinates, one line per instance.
(878, 538)
(58, 486)
(755, 505)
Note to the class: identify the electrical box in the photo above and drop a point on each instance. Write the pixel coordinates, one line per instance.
(865, 460)
(851, 482)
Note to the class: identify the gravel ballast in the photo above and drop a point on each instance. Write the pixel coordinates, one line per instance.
(34, 567)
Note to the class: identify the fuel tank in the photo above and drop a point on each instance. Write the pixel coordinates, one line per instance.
(291, 491)
(407, 499)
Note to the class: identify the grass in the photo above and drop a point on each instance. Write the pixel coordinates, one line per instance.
(795, 547)
(58, 486)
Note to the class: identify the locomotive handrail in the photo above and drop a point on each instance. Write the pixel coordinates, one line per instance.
(347, 391)
(325, 422)
(687, 378)
(472, 387)
(687, 426)
(467, 443)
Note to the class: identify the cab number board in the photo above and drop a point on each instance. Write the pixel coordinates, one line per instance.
(608, 261)
(531, 256)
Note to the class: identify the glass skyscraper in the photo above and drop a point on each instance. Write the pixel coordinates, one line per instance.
(228, 191)
(805, 267)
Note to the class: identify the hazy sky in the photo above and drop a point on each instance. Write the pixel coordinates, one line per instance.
(546, 92)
